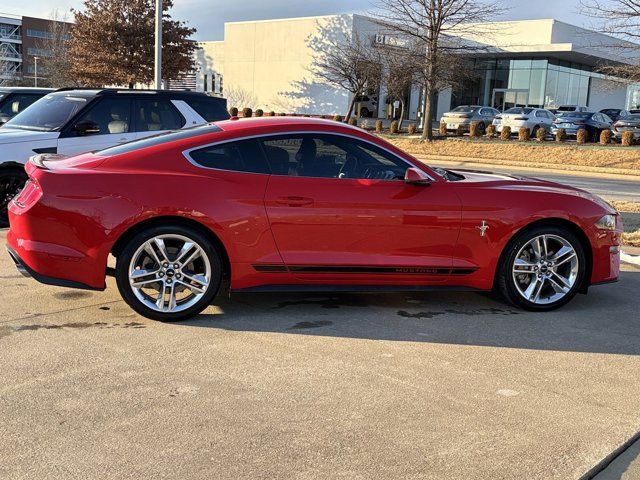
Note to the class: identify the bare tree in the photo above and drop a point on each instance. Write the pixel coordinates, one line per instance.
(56, 64)
(239, 98)
(401, 65)
(439, 26)
(621, 19)
(345, 61)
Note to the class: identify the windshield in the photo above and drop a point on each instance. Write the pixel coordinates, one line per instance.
(464, 109)
(519, 110)
(49, 113)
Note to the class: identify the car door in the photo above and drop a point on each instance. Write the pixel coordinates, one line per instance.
(339, 209)
(104, 124)
(154, 115)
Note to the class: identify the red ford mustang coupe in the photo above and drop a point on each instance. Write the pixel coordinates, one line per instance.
(300, 205)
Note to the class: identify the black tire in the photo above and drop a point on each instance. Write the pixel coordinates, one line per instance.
(125, 257)
(534, 132)
(364, 112)
(482, 128)
(595, 137)
(506, 284)
(12, 181)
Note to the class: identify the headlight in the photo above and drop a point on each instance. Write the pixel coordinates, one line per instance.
(608, 222)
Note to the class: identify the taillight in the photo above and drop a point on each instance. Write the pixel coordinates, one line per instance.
(28, 196)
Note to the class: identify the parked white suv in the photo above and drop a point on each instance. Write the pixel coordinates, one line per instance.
(73, 121)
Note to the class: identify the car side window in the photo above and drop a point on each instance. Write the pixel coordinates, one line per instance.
(241, 156)
(157, 115)
(331, 156)
(17, 103)
(211, 109)
(111, 115)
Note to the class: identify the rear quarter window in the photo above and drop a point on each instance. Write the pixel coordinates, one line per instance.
(210, 108)
(240, 156)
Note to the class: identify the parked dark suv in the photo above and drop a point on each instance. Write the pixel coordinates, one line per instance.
(13, 100)
(73, 121)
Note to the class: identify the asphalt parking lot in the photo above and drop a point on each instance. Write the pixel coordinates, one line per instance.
(433, 386)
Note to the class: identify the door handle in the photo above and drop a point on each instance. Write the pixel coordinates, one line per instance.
(293, 201)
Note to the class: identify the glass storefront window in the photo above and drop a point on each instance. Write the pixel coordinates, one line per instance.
(520, 64)
(536, 88)
(547, 82)
(519, 79)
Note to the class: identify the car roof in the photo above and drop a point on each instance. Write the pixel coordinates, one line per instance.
(241, 125)
(25, 90)
(91, 92)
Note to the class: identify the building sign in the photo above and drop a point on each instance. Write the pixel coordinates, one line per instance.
(389, 41)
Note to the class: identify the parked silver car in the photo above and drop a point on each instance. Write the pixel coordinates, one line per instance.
(464, 115)
(528, 117)
(630, 123)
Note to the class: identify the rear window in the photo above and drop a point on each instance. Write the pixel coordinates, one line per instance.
(574, 114)
(158, 140)
(209, 108)
(519, 110)
(464, 109)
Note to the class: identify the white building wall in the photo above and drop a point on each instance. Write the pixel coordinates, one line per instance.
(271, 61)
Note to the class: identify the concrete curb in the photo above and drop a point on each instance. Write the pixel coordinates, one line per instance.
(632, 259)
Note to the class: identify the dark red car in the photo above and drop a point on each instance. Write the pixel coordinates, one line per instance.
(300, 205)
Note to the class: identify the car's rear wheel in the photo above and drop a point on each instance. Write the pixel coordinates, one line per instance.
(542, 269)
(534, 132)
(169, 273)
(12, 180)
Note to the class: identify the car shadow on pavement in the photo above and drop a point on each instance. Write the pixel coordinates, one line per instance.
(605, 321)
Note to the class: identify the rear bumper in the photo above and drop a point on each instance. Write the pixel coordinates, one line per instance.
(27, 271)
(617, 134)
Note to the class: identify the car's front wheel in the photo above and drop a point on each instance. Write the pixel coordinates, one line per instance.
(169, 273)
(542, 269)
(11, 182)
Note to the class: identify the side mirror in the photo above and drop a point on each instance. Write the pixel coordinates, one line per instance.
(415, 176)
(86, 127)
(4, 119)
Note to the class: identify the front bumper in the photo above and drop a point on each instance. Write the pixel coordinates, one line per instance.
(27, 271)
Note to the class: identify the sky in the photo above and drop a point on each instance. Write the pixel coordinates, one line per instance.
(208, 16)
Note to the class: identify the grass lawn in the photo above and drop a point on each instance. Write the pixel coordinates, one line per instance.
(533, 153)
(630, 212)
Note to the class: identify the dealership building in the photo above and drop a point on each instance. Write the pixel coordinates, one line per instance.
(543, 63)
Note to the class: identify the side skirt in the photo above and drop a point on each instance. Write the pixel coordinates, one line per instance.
(354, 289)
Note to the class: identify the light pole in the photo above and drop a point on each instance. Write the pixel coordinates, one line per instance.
(35, 71)
(158, 56)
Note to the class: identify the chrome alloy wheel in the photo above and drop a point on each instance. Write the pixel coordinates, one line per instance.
(545, 269)
(169, 273)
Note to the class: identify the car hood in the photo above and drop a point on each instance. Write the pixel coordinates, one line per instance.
(18, 135)
(523, 183)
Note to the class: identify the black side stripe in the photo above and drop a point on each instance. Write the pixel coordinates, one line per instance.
(400, 270)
